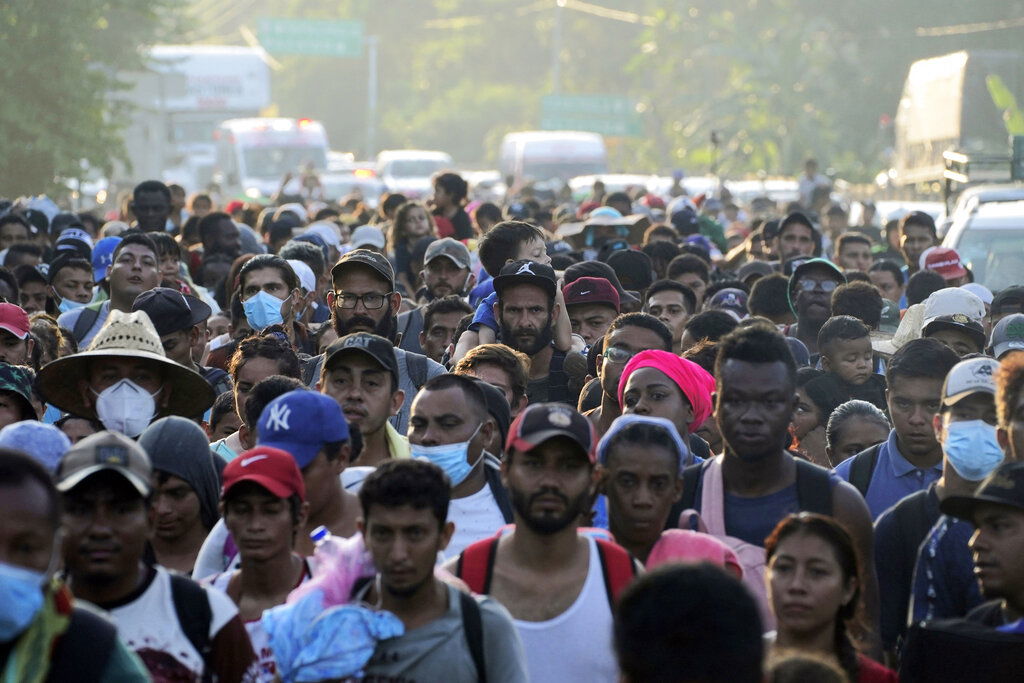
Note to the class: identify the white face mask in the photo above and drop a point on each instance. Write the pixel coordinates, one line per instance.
(125, 407)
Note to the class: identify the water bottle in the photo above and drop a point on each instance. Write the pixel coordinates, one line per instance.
(325, 542)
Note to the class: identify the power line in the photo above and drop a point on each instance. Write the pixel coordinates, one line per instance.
(962, 29)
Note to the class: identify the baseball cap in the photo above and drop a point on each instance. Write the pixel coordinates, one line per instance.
(44, 442)
(633, 267)
(368, 258)
(272, 468)
(326, 231)
(1004, 486)
(18, 379)
(980, 291)
(376, 347)
(591, 290)
(1009, 300)
(103, 256)
(685, 220)
(103, 451)
(74, 240)
(1008, 335)
(971, 376)
(170, 310)
(525, 272)
(449, 247)
(307, 279)
(731, 300)
(807, 266)
(758, 268)
(367, 235)
(14, 319)
(944, 261)
(543, 421)
(300, 422)
(953, 301)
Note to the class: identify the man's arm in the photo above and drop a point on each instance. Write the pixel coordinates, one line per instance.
(849, 508)
(893, 574)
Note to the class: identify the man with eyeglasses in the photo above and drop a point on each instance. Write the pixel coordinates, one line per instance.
(810, 296)
(363, 299)
(628, 335)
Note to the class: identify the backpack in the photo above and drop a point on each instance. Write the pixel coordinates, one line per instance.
(475, 566)
(814, 494)
(82, 652)
(961, 650)
(862, 467)
(192, 607)
(84, 323)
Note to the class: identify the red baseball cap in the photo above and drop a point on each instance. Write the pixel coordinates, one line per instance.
(944, 261)
(591, 290)
(14, 319)
(273, 469)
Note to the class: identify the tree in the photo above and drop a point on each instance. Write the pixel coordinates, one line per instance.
(59, 62)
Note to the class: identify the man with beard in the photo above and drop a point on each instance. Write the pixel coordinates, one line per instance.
(446, 272)
(557, 583)
(526, 312)
(364, 299)
(810, 296)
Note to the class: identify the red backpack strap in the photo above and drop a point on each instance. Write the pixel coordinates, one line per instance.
(475, 565)
(618, 568)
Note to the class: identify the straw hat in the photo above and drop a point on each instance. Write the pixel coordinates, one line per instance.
(124, 335)
(909, 329)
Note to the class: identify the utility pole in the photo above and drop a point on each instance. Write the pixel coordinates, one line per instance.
(556, 48)
(371, 97)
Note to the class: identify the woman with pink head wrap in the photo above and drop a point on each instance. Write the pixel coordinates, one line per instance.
(662, 384)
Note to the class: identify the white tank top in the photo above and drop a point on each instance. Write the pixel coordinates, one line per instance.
(577, 644)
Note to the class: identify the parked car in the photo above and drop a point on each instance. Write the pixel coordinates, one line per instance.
(990, 241)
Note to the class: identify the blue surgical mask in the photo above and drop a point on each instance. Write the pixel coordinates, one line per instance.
(66, 305)
(21, 598)
(263, 310)
(450, 457)
(972, 448)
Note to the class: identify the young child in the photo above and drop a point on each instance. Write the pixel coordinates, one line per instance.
(412, 222)
(510, 241)
(848, 360)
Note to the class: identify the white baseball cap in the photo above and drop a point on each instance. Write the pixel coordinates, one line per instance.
(953, 301)
(367, 235)
(972, 376)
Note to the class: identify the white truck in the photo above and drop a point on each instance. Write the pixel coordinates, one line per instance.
(176, 104)
(255, 155)
(546, 155)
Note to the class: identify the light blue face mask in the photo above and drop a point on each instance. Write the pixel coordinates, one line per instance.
(972, 449)
(66, 305)
(263, 310)
(450, 457)
(21, 598)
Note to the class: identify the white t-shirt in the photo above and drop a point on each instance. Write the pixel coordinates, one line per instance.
(148, 625)
(476, 517)
(575, 646)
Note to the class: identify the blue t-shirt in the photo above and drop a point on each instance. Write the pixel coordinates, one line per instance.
(894, 477)
(944, 582)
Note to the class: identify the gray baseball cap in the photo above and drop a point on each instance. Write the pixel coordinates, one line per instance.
(972, 376)
(449, 247)
(1008, 335)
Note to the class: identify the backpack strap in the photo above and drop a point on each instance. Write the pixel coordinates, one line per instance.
(558, 379)
(192, 607)
(500, 493)
(473, 627)
(691, 482)
(813, 488)
(81, 653)
(617, 567)
(416, 366)
(84, 323)
(475, 565)
(862, 467)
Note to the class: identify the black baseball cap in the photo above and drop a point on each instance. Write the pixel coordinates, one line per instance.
(543, 421)
(525, 272)
(365, 257)
(1004, 486)
(170, 310)
(1011, 298)
(376, 347)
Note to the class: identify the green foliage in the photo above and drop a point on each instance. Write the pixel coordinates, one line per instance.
(58, 64)
(1004, 100)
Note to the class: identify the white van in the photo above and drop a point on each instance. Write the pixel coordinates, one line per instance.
(408, 171)
(253, 155)
(542, 155)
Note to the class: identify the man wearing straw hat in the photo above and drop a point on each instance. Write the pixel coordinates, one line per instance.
(124, 379)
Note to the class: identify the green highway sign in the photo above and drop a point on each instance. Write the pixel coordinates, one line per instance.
(611, 115)
(320, 37)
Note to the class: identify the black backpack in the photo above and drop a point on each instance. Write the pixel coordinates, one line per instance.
(192, 607)
(961, 650)
(862, 467)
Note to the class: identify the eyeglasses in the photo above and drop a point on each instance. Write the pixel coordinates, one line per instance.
(616, 355)
(823, 285)
(370, 301)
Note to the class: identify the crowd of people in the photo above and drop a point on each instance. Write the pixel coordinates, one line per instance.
(634, 437)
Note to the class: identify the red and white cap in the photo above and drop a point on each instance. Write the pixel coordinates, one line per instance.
(273, 469)
(944, 261)
(14, 319)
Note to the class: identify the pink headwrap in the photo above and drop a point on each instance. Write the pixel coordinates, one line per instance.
(693, 380)
(683, 545)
